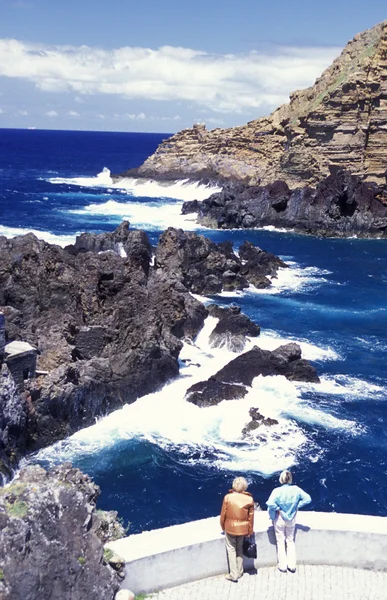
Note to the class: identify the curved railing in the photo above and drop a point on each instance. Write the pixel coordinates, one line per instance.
(162, 558)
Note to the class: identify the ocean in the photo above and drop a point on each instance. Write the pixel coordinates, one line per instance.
(161, 460)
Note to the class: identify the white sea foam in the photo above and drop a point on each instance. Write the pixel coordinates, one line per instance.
(279, 397)
(216, 429)
(347, 388)
(152, 215)
(292, 279)
(145, 188)
(202, 299)
(51, 238)
(232, 294)
(272, 228)
(296, 279)
(122, 250)
(270, 340)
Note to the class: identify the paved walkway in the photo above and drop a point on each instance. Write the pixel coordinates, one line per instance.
(308, 583)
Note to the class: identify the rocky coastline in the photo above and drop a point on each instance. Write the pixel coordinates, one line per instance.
(315, 165)
(341, 205)
(105, 319)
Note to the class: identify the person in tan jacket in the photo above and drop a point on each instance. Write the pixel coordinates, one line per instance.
(237, 521)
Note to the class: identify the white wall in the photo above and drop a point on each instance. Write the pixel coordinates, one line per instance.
(162, 558)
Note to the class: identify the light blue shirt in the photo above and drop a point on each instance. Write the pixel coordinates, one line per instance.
(287, 499)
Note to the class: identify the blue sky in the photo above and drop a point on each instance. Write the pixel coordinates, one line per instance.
(161, 65)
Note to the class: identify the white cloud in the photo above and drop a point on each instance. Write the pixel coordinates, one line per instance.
(23, 113)
(73, 113)
(140, 117)
(51, 113)
(143, 117)
(1, 111)
(222, 83)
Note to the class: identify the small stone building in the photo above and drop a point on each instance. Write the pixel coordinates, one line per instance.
(20, 358)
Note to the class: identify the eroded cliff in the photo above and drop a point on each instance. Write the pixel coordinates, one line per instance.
(51, 538)
(341, 121)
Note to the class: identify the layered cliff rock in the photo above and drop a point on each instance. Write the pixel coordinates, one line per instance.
(51, 538)
(339, 122)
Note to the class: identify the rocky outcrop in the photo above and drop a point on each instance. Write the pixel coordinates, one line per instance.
(231, 329)
(107, 324)
(341, 122)
(256, 421)
(49, 538)
(341, 205)
(13, 423)
(232, 381)
(208, 268)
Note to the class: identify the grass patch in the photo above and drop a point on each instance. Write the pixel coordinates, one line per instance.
(327, 92)
(1, 575)
(368, 51)
(81, 560)
(16, 489)
(18, 509)
(107, 554)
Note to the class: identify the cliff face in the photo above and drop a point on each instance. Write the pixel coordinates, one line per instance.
(341, 121)
(51, 538)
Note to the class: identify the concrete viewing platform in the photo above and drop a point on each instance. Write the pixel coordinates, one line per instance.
(310, 582)
(339, 557)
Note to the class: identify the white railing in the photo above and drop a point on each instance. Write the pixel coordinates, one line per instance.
(162, 558)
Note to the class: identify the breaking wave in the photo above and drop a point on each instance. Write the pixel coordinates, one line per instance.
(217, 429)
(146, 188)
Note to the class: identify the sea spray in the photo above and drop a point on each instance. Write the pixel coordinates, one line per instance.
(167, 420)
(146, 188)
(154, 215)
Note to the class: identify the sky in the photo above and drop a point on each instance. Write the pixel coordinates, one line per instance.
(163, 65)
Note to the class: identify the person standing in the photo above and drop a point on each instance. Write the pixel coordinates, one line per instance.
(282, 505)
(237, 521)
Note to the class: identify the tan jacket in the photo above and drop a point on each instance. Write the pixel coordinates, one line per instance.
(237, 514)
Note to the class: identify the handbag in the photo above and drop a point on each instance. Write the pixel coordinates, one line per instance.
(250, 547)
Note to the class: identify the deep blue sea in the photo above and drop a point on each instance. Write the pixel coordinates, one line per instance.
(162, 461)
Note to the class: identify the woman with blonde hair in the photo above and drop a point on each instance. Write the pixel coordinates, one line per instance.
(282, 506)
(237, 521)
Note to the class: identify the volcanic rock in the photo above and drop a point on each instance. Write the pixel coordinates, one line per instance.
(231, 329)
(341, 205)
(205, 267)
(259, 265)
(231, 381)
(13, 423)
(107, 326)
(257, 420)
(213, 391)
(49, 544)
